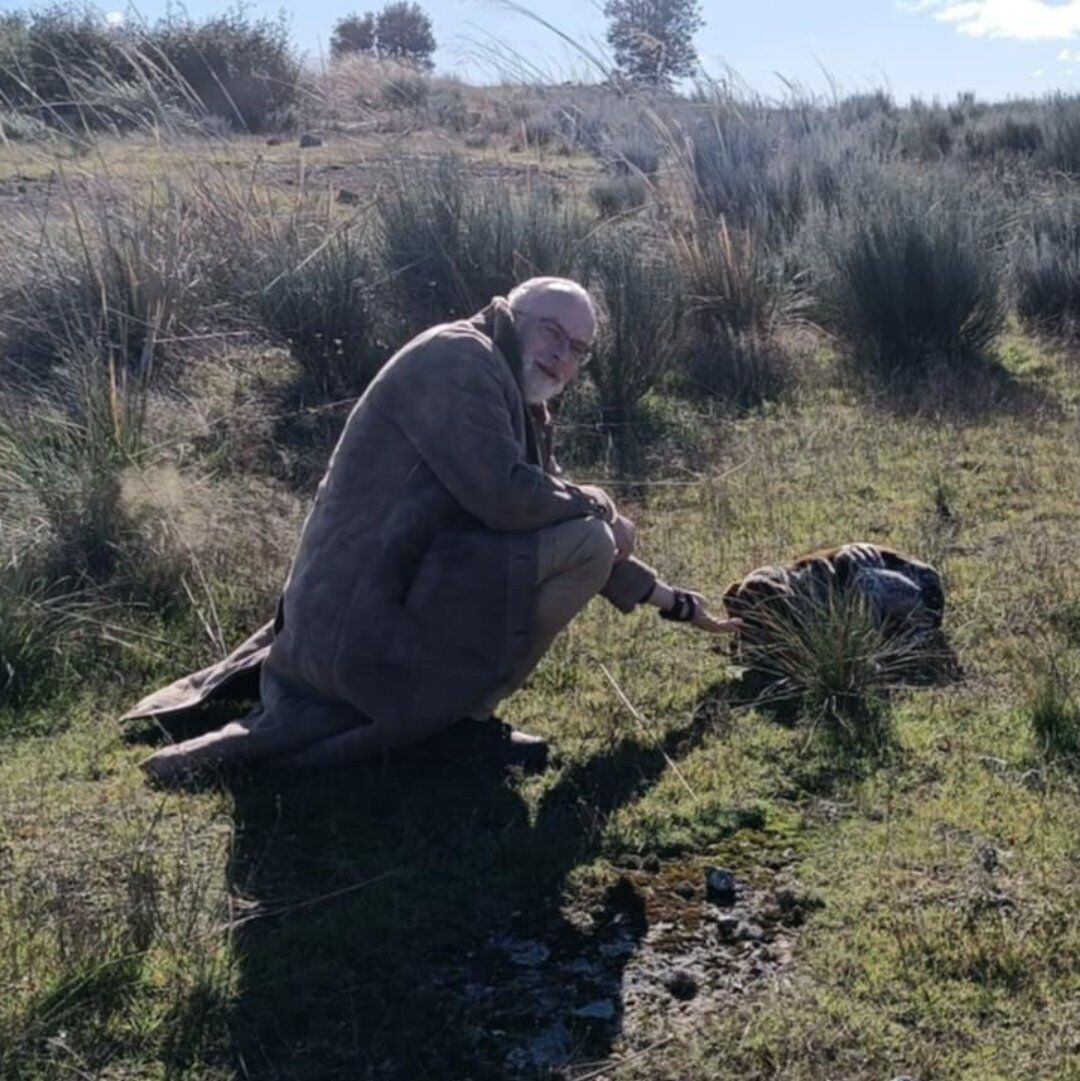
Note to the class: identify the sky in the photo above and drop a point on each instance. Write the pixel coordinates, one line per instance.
(931, 48)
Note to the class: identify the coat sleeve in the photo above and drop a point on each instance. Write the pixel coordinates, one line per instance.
(456, 411)
(629, 584)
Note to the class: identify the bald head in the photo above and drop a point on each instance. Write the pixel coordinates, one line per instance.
(556, 321)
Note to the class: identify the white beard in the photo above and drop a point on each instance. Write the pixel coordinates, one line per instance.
(538, 387)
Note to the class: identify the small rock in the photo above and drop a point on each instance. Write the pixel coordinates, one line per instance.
(720, 885)
(686, 890)
(20, 188)
(651, 863)
(309, 140)
(682, 984)
(601, 1010)
(988, 857)
(273, 141)
(349, 198)
(750, 932)
(727, 926)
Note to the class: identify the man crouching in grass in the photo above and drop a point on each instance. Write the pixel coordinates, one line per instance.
(441, 557)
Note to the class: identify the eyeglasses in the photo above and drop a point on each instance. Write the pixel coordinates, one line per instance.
(579, 350)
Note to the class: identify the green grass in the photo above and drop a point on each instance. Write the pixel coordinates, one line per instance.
(339, 926)
(322, 927)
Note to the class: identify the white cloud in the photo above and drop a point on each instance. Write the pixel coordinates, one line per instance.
(1069, 56)
(115, 18)
(1020, 20)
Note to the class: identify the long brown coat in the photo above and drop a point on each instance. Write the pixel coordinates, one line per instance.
(412, 591)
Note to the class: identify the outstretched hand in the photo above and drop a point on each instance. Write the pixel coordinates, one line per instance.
(704, 620)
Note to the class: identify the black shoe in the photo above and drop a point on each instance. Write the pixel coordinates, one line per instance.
(489, 740)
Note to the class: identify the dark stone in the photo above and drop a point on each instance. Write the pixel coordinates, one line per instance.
(727, 926)
(686, 891)
(309, 140)
(651, 863)
(349, 198)
(682, 984)
(273, 141)
(720, 885)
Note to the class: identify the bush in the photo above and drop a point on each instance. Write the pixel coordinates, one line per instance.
(316, 294)
(405, 90)
(1000, 136)
(1054, 711)
(452, 241)
(633, 151)
(47, 55)
(637, 285)
(1061, 135)
(617, 194)
(911, 274)
(1047, 268)
(241, 70)
(93, 306)
(742, 370)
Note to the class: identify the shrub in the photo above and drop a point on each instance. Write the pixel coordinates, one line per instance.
(636, 344)
(1002, 136)
(405, 90)
(452, 241)
(617, 194)
(633, 151)
(92, 305)
(912, 273)
(741, 369)
(1061, 134)
(316, 294)
(240, 69)
(730, 159)
(1047, 268)
(858, 108)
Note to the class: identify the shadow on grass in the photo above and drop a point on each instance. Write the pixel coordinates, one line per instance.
(409, 922)
(971, 389)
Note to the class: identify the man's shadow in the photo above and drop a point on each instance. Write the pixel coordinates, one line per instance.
(406, 920)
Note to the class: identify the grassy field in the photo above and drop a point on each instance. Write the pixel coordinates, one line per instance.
(356, 924)
(183, 322)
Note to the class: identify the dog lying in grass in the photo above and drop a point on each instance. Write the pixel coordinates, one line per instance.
(856, 615)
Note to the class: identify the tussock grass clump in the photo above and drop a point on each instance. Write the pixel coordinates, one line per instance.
(452, 241)
(1054, 709)
(1061, 134)
(107, 287)
(618, 194)
(911, 274)
(1046, 268)
(828, 658)
(642, 320)
(1003, 136)
(317, 293)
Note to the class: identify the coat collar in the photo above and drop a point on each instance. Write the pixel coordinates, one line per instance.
(496, 320)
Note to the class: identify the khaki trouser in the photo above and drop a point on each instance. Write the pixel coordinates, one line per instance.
(574, 561)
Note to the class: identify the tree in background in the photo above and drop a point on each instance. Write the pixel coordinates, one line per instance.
(353, 34)
(653, 40)
(404, 32)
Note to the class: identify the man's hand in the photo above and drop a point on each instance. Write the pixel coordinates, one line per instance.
(625, 535)
(705, 621)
